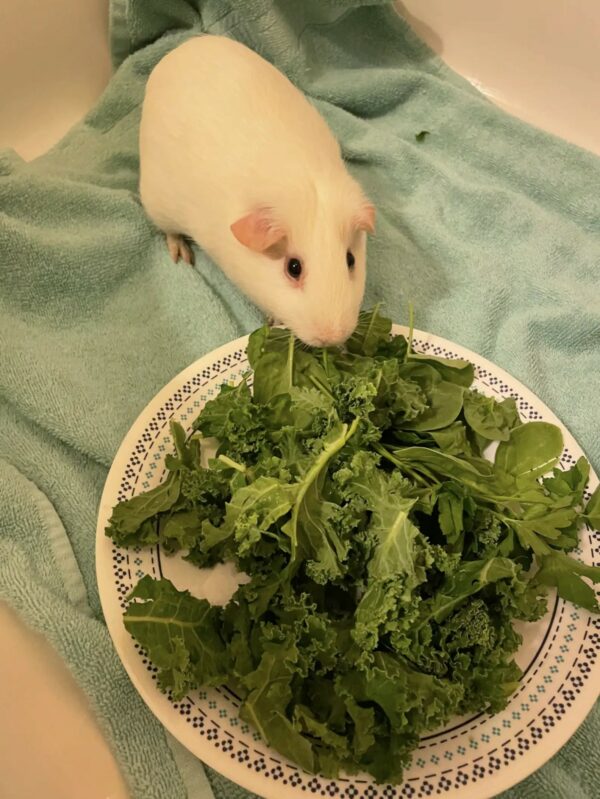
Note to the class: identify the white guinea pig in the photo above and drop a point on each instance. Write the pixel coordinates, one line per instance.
(233, 156)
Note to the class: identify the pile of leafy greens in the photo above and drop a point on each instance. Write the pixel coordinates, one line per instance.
(387, 557)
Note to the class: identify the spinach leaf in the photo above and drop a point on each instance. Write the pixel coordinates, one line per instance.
(454, 370)
(281, 363)
(444, 398)
(488, 418)
(531, 450)
(452, 439)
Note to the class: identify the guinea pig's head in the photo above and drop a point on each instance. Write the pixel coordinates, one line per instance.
(312, 263)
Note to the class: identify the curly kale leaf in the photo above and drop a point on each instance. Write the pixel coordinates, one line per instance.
(179, 633)
(236, 421)
(133, 521)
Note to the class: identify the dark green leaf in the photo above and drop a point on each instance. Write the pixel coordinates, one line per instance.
(311, 538)
(452, 439)
(454, 370)
(444, 398)
(371, 332)
(280, 370)
(445, 404)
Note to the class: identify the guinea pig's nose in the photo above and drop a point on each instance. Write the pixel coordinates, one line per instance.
(332, 335)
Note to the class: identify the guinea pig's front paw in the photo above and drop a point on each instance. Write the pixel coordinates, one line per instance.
(179, 248)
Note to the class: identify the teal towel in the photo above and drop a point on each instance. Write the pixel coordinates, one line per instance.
(490, 227)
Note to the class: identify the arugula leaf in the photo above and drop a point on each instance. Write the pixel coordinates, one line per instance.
(564, 573)
(592, 510)
(477, 475)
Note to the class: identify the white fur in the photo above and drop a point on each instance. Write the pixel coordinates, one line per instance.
(222, 133)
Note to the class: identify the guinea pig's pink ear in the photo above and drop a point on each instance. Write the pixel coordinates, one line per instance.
(365, 218)
(258, 230)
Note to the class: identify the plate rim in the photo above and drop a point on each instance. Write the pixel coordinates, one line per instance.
(214, 758)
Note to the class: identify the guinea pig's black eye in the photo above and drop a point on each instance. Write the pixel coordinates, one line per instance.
(294, 268)
(350, 260)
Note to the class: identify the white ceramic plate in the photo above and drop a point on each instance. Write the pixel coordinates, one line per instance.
(473, 757)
